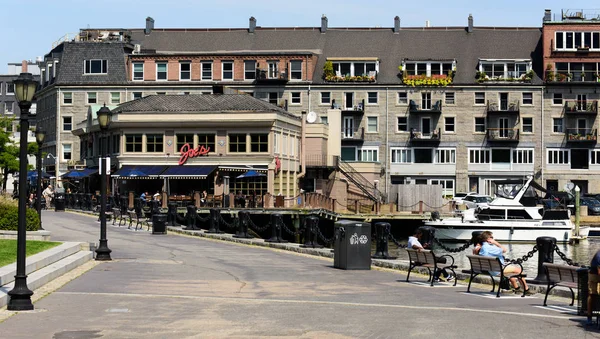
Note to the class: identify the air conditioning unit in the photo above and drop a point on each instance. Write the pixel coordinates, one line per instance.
(137, 48)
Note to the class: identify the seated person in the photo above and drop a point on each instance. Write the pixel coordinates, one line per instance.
(203, 198)
(414, 242)
(240, 200)
(490, 247)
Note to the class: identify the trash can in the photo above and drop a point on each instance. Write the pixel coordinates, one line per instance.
(59, 202)
(352, 245)
(159, 224)
(279, 201)
(582, 290)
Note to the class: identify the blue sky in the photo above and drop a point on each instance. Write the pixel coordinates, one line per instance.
(31, 34)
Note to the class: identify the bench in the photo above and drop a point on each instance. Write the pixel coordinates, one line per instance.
(562, 275)
(492, 267)
(428, 259)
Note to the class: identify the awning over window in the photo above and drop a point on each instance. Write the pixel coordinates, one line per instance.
(78, 174)
(139, 172)
(258, 168)
(187, 172)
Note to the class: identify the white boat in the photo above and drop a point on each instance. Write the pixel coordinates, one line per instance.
(509, 220)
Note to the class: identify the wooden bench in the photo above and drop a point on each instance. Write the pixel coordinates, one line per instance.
(492, 267)
(562, 275)
(427, 259)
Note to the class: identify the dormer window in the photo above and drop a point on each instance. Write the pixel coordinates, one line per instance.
(499, 69)
(355, 68)
(428, 68)
(572, 41)
(95, 66)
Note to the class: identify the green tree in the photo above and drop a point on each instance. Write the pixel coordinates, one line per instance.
(9, 150)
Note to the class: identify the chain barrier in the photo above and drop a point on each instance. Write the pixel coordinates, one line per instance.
(564, 257)
(285, 228)
(452, 250)
(525, 257)
(391, 237)
(323, 238)
(198, 217)
(256, 227)
(233, 224)
(436, 207)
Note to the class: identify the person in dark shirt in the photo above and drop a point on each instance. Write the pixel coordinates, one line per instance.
(593, 280)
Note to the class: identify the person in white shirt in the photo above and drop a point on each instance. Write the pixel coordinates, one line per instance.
(414, 242)
(48, 194)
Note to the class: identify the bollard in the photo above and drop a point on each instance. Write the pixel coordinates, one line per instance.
(545, 247)
(242, 231)
(428, 233)
(311, 227)
(214, 221)
(276, 228)
(191, 217)
(382, 230)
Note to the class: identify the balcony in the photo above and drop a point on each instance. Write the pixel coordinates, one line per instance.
(418, 137)
(505, 77)
(504, 106)
(581, 107)
(588, 77)
(502, 135)
(266, 76)
(371, 76)
(435, 80)
(414, 108)
(581, 135)
(349, 134)
(359, 108)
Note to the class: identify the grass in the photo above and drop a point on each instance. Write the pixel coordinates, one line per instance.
(8, 249)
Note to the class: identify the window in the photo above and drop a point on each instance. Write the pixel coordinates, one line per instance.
(402, 124)
(95, 67)
(402, 98)
(557, 99)
(479, 156)
(276, 143)
(138, 71)
(259, 143)
(449, 96)
(324, 119)
(527, 98)
(161, 71)
(445, 156)
(401, 156)
(133, 142)
(427, 68)
(154, 143)
(237, 143)
(504, 69)
(250, 69)
(67, 98)
(575, 40)
(423, 156)
(207, 71)
(558, 157)
(595, 157)
(372, 98)
(67, 123)
(296, 70)
(10, 88)
(449, 124)
(479, 98)
(1, 87)
(183, 139)
(368, 154)
(284, 145)
(136, 95)
(527, 125)
(66, 152)
(115, 98)
(348, 68)
(9, 107)
(185, 71)
(372, 124)
(161, 93)
(116, 143)
(296, 98)
(480, 125)
(558, 125)
(91, 98)
(208, 141)
(426, 100)
(325, 97)
(522, 156)
(227, 70)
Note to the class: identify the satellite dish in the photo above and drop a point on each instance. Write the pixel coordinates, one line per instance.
(311, 117)
(569, 186)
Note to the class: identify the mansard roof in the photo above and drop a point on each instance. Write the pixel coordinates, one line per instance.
(71, 65)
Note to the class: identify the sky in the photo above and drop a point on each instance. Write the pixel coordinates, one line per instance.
(29, 28)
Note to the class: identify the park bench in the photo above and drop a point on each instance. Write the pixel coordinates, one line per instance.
(562, 275)
(428, 260)
(492, 267)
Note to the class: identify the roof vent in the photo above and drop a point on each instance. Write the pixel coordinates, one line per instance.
(396, 24)
(252, 25)
(547, 15)
(323, 23)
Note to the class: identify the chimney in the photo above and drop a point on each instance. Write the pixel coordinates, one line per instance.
(24, 66)
(427, 23)
(396, 24)
(252, 25)
(547, 15)
(470, 28)
(149, 25)
(323, 23)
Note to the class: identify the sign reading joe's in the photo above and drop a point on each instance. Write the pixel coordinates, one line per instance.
(352, 245)
(187, 152)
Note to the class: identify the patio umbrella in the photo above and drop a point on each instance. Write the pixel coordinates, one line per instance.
(251, 174)
(32, 175)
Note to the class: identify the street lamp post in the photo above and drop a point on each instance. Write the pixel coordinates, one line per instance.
(20, 295)
(40, 135)
(103, 252)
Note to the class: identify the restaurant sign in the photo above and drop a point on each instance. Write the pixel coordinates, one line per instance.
(188, 152)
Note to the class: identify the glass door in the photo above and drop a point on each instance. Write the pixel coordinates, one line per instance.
(349, 104)
(504, 101)
(426, 126)
(348, 127)
(503, 130)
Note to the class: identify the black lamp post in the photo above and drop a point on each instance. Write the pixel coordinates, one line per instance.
(103, 252)
(40, 135)
(20, 295)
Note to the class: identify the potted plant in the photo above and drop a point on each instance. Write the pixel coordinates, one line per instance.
(328, 70)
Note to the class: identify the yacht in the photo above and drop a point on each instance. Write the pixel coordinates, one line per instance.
(513, 216)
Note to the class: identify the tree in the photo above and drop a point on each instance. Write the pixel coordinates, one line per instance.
(9, 150)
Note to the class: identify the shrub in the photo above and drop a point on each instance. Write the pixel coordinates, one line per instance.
(9, 217)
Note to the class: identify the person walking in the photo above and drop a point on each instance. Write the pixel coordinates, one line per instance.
(48, 194)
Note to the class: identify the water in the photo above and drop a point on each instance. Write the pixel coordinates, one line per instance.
(580, 253)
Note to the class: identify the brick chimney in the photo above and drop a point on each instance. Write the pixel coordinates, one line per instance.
(252, 25)
(149, 25)
(24, 66)
(396, 24)
(323, 23)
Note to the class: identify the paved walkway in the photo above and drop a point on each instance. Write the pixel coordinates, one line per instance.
(174, 286)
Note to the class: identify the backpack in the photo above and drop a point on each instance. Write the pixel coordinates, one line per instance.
(504, 283)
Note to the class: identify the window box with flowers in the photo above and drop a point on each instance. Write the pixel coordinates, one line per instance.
(436, 80)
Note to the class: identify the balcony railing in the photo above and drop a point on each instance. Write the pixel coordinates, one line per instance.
(358, 108)
(264, 75)
(429, 137)
(504, 77)
(581, 106)
(504, 106)
(414, 108)
(561, 76)
(583, 135)
(353, 134)
(371, 76)
(503, 134)
(320, 160)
